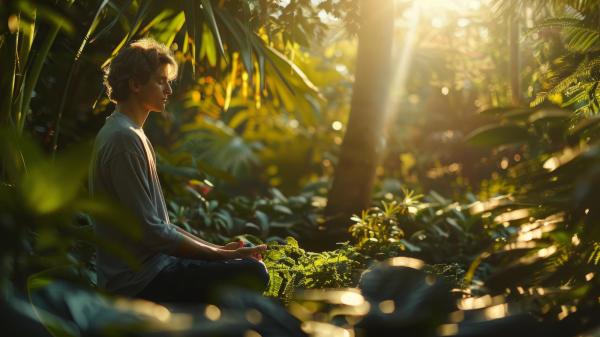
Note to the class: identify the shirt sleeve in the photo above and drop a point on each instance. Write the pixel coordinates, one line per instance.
(129, 175)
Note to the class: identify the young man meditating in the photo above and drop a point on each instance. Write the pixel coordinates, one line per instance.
(172, 264)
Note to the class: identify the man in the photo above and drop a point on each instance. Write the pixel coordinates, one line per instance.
(171, 264)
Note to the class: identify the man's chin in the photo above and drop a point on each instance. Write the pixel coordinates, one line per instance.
(159, 108)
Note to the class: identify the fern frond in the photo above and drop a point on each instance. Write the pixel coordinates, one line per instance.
(539, 99)
(560, 23)
(595, 99)
(582, 40)
(584, 74)
(580, 36)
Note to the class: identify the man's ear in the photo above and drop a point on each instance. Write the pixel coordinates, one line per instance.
(134, 85)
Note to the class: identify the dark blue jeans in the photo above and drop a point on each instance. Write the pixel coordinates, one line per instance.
(189, 280)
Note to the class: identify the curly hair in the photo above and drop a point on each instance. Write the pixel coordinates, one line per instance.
(138, 61)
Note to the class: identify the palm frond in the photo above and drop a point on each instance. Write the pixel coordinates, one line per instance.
(579, 37)
(583, 77)
(587, 8)
(215, 144)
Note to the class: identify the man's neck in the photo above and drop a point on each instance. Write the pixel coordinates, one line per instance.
(135, 111)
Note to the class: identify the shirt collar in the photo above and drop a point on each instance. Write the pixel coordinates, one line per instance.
(127, 119)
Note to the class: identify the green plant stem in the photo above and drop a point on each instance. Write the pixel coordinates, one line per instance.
(12, 63)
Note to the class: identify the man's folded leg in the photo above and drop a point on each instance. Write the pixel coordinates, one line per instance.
(189, 280)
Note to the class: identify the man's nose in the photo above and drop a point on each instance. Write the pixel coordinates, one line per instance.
(169, 90)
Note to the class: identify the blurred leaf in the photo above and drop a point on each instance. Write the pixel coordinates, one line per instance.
(283, 209)
(496, 135)
(51, 185)
(212, 23)
(241, 39)
(549, 114)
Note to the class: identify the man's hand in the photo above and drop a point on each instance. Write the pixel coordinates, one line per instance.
(252, 252)
(234, 245)
(240, 244)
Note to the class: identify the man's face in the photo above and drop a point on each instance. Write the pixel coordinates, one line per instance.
(153, 94)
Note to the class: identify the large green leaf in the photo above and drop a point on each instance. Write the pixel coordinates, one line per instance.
(52, 184)
(66, 91)
(496, 135)
(111, 24)
(215, 144)
(32, 75)
(585, 126)
(548, 114)
(193, 27)
(241, 39)
(141, 15)
(499, 111)
(212, 24)
(579, 36)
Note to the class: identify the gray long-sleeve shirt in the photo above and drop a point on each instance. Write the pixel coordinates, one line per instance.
(123, 169)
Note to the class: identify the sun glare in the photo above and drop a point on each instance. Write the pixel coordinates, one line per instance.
(416, 19)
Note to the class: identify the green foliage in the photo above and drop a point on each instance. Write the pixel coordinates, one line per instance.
(214, 143)
(498, 135)
(438, 230)
(548, 220)
(256, 219)
(570, 67)
(44, 212)
(380, 225)
(292, 268)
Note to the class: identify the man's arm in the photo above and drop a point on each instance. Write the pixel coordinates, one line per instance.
(195, 238)
(128, 173)
(193, 249)
(128, 177)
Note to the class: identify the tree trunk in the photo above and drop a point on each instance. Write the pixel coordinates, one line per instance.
(355, 170)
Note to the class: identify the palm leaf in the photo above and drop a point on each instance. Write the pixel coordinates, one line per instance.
(74, 65)
(212, 24)
(583, 74)
(241, 39)
(213, 143)
(192, 30)
(579, 37)
(141, 15)
(111, 24)
(32, 76)
(9, 66)
(497, 135)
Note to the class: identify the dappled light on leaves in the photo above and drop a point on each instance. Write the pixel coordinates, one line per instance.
(471, 303)
(251, 333)
(447, 329)
(512, 215)
(567, 155)
(349, 297)
(406, 262)
(320, 329)
(146, 308)
(212, 312)
(254, 316)
(484, 206)
(496, 311)
(520, 245)
(387, 306)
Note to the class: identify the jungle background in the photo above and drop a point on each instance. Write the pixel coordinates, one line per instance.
(418, 168)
